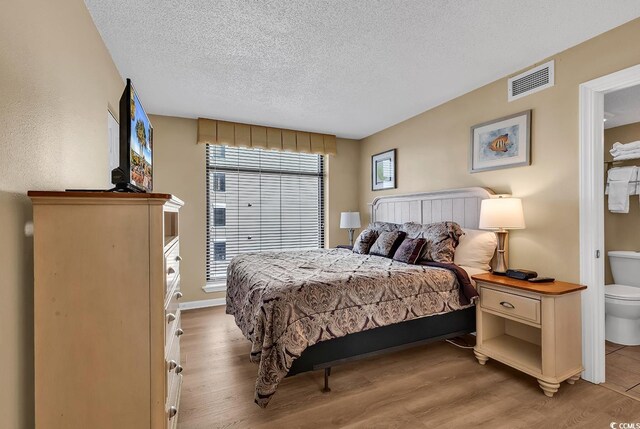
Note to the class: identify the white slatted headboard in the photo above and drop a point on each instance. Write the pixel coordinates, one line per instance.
(458, 205)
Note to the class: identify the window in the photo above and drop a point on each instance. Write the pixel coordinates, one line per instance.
(260, 200)
(219, 215)
(219, 251)
(219, 151)
(219, 184)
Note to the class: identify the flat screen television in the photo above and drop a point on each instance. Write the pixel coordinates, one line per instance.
(135, 172)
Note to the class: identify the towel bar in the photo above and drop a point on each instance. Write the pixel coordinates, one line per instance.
(620, 161)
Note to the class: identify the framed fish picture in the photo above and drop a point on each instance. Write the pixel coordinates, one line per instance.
(501, 143)
(383, 170)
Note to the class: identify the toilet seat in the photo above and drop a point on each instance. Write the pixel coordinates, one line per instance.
(622, 292)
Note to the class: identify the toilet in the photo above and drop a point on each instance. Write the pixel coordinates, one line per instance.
(622, 299)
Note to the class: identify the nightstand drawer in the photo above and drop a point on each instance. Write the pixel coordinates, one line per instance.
(509, 304)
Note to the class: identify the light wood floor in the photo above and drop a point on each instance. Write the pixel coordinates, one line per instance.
(622, 370)
(436, 385)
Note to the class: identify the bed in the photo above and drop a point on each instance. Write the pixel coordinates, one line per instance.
(315, 309)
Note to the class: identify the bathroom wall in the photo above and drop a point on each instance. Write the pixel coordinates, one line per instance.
(621, 231)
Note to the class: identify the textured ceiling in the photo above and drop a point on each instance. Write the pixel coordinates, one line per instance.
(349, 68)
(622, 107)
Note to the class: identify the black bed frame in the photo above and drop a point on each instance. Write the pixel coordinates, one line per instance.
(382, 340)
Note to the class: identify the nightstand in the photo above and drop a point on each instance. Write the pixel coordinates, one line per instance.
(535, 328)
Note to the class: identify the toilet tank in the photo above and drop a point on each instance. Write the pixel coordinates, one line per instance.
(625, 266)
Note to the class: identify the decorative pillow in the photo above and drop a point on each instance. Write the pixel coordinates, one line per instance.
(412, 229)
(410, 250)
(442, 239)
(364, 241)
(384, 226)
(387, 243)
(476, 249)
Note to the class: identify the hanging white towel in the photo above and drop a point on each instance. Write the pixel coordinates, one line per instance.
(620, 188)
(620, 173)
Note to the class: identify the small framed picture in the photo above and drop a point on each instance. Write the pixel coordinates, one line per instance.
(383, 170)
(501, 143)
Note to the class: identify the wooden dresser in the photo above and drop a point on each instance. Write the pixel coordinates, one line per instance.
(533, 327)
(107, 322)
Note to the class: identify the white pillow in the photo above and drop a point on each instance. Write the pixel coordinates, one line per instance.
(475, 249)
(471, 271)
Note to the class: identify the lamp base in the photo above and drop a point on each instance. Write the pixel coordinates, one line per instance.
(501, 257)
(351, 236)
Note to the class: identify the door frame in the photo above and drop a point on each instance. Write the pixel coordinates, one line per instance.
(592, 214)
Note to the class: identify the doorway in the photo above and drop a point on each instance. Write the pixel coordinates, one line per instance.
(622, 240)
(592, 243)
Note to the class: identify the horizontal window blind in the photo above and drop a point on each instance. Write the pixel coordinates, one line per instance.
(260, 200)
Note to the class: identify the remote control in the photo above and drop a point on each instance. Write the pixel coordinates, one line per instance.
(542, 280)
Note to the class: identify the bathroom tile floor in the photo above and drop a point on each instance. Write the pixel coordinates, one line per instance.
(623, 369)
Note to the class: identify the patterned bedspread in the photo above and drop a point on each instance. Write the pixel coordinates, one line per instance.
(285, 302)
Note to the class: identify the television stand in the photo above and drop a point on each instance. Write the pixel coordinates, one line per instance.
(125, 187)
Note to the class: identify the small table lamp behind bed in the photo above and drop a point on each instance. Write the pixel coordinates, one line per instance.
(350, 221)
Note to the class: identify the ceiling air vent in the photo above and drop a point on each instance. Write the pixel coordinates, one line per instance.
(534, 80)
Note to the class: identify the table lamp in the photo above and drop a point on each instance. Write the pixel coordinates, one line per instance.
(501, 214)
(350, 221)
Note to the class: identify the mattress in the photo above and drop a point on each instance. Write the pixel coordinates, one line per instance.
(284, 302)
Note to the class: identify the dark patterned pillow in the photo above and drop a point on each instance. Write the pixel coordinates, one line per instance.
(442, 239)
(410, 250)
(364, 241)
(387, 243)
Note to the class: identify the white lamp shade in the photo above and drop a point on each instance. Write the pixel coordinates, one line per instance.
(506, 213)
(350, 220)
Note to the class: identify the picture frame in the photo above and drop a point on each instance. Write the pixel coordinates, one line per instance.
(501, 143)
(383, 170)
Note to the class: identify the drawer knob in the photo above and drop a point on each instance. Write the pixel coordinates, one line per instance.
(506, 304)
(179, 332)
(179, 369)
(171, 270)
(178, 295)
(172, 365)
(171, 317)
(172, 412)
(178, 258)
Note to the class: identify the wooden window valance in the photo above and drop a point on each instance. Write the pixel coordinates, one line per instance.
(211, 131)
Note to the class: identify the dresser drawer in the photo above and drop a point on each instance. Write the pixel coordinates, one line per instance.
(173, 403)
(510, 304)
(172, 302)
(173, 374)
(172, 331)
(172, 318)
(172, 265)
(174, 366)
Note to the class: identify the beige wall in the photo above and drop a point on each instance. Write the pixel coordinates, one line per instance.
(180, 170)
(343, 176)
(56, 81)
(621, 231)
(433, 148)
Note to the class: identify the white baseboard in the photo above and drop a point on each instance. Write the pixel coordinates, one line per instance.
(215, 287)
(192, 305)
